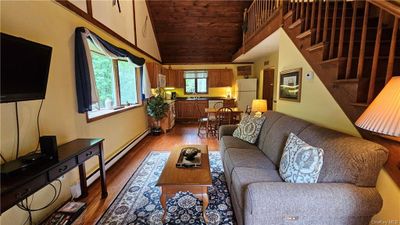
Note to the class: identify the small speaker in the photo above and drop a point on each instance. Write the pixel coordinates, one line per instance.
(48, 146)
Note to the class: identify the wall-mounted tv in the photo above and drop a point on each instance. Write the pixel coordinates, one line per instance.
(24, 69)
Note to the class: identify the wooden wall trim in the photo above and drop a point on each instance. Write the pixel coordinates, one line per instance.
(152, 25)
(209, 63)
(89, 7)
(134, 20)
(100, 25)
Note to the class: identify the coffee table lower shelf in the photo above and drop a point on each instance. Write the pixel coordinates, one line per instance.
(194, 180)
(169, 191)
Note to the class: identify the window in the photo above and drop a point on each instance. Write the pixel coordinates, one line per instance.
(196, 82)
(116, 84)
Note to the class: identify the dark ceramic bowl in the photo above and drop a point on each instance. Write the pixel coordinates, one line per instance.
(190, 153)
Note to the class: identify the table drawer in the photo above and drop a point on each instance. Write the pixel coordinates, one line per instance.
(87, 154)
(62, 169)
(23, 191)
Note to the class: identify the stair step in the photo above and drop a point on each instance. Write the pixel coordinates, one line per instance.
(360, 104)
(304, 34)
(354, 80)
(295, 24)
(315, 47)
(288, 15)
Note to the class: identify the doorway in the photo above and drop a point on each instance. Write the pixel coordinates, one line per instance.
(268, 87)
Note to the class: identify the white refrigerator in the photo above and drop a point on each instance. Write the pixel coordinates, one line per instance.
(247, 91)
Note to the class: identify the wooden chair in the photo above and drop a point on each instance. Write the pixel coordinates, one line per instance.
(222, 117)
(203, 122)
(218, 105)
(248, 110)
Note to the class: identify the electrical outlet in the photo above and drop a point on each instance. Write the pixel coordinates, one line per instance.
(75, 190)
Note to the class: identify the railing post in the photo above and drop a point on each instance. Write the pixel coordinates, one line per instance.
(342, 26)
(363, 40)
(389, 72)
(326, 18)
(302, 9)
(333, 30)
(351, 44)
(307, 15)
(375, 59)
(312, 21)
(318, 35)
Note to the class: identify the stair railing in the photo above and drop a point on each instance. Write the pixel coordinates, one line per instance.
(326, 20)
(258, 15)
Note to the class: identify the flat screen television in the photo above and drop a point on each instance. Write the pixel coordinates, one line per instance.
(24, 69)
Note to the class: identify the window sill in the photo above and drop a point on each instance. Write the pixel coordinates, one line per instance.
(100, 114)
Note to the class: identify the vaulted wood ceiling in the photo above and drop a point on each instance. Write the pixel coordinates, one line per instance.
(190, 31)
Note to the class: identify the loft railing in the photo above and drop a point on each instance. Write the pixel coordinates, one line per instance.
(258, 15)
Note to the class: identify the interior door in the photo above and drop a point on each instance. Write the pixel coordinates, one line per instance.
(268, 87)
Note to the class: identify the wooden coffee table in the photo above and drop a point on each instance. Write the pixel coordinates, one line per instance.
(194, 180)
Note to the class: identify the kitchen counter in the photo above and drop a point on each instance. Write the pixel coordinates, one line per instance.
(169, 101)
(202, 98)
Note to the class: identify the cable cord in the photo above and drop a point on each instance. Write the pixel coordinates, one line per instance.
(17, 120)
(38, 125)
(2, 157)
(28, 206)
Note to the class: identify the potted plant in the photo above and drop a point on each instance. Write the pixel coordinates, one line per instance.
(157, 109)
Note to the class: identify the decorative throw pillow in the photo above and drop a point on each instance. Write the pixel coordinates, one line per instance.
(249, 128)
(300, 162)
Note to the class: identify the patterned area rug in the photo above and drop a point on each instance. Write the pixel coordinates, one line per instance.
(138, 202)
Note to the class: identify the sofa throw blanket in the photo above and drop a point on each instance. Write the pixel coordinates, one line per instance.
(300, 162)
(249, 128)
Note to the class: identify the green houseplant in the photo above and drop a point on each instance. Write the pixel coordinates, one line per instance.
(157, 109)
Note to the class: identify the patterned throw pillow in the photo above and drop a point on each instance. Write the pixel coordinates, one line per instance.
(300, 162)
(249, 128)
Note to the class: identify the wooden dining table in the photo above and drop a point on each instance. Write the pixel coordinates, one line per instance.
(236, 113)
(235, 110)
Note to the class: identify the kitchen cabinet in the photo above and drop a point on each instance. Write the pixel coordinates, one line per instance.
(226, 78)
(229, 103)
(168, 122)
(220, 77)
(180, 81)
(190, 109)
(171, 78)
(153, 70)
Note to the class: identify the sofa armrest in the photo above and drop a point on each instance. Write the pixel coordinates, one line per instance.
(294, 201)
(226, 130)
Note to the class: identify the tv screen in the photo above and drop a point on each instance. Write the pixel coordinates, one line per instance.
(24, 69)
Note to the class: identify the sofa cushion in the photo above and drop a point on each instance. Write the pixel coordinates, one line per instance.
(232, 142)
(243, 176)
(347, 159)
(276, 136)
(237, 157)
(301, 162)
(249, 128)
(271, 118)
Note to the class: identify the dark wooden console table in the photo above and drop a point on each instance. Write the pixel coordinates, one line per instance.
(70, 155)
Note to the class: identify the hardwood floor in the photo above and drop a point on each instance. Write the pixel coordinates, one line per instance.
(118, 175)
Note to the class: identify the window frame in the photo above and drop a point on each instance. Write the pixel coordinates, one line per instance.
(195, 83)
(103, 113)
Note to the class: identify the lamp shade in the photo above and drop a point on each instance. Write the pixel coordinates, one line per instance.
(259, 105)
(383, 114)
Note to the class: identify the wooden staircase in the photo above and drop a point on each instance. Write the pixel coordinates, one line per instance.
(353, 46)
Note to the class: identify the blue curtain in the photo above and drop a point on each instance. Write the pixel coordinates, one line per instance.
(82, 76)
(82, 72)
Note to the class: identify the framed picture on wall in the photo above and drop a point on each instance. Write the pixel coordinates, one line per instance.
(290, 85)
